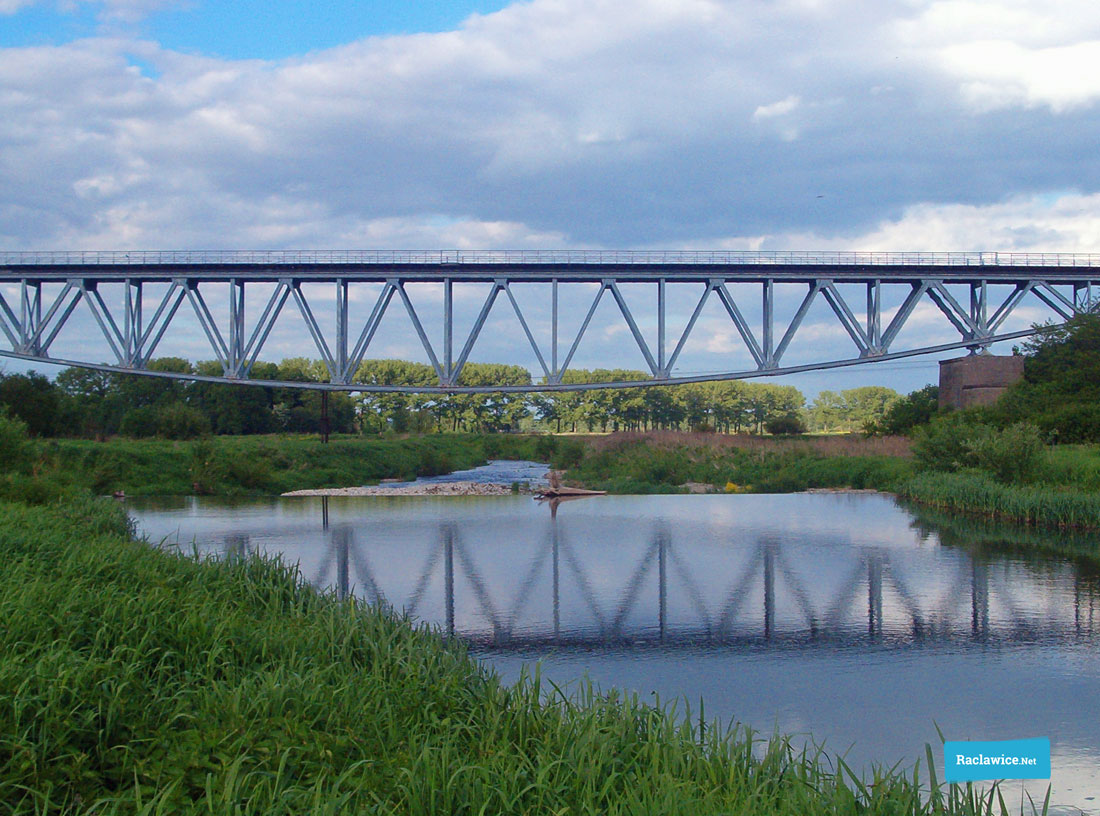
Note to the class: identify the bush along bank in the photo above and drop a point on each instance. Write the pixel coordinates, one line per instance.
(137, 681)
(671, 463)
(241, 465)
(1007, 473)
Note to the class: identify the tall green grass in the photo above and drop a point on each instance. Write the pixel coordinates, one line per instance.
(640, 464)
(253, 465)
(978, 494)
(137, 681)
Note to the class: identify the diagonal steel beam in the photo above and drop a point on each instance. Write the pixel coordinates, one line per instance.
(638, 338)
(795, 323)
(369, 328)
(422, 334)
(35, 341)
(475, 330)
(580, 334)
(314, 330)
(106, 323)
(903, 313)
(671, 362)
(206, 320)
(264, 326)
(741, 324)
(162, 317)
(527, 331)
(9, 323)
(953, 311)
(847, 319)
(1009, 305)
(1055, 300)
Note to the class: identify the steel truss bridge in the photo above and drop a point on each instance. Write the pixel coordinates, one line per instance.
(140, 299)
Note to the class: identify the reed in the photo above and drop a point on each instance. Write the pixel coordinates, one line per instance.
(666, 461)
(133, 680)
(978, 494)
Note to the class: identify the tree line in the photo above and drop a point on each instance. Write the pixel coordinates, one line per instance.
(91, 403)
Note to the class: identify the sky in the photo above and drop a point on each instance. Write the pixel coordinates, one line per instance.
(694, 124)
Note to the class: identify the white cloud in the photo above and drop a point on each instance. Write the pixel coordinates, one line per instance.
(572, 123)
(780, 108)
(1010, 53)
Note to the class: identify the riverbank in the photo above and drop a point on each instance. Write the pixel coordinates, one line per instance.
(253, 465)
(1064, 494)
(134, 680)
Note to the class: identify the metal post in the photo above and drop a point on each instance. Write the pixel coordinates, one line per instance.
(342, 331)
(661, 328)
(768, 327)
(874, 315)
(554, 331)
(324, 417)
(448, 329)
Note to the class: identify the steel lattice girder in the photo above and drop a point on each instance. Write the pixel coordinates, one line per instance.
(30, 325)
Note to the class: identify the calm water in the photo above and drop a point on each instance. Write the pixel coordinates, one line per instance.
(837, 616)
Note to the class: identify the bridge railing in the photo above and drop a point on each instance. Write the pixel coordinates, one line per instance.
(547, 257)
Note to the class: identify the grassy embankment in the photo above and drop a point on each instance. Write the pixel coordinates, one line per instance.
(256, 465)
(136, 681)
(1064, 490)
(667, 461)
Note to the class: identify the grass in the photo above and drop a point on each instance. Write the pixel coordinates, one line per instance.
(665, 462)
(978, 494)
(255, 465)
(138, 681)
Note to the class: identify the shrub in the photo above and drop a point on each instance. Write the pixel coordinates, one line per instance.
(568, 454)
(139, 423)
(957, 441)
(545, 447)
(179, 421)
(16, 448)
(206, 467)
(785, 425)
(1011, 455)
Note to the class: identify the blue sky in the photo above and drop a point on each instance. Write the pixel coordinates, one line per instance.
(697, 124)
(236, 30)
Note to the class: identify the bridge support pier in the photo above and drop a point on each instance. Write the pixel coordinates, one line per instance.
(978, 379)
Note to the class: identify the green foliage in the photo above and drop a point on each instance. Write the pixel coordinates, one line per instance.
(179, 421)
(1060, 392)
(958, 441)
(851, 410)
(909, 412)
(785, 425)
(568, 453)
(207, 466)
(136, 681)
(16, 449)
(140, 422)
(32, 398)
(642, 466)
(977, 493)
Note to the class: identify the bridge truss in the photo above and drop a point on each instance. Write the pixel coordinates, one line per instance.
(139, 300)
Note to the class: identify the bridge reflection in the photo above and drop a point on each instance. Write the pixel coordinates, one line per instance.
(765, 593)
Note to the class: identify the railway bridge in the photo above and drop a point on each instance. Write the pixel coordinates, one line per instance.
(138, 302)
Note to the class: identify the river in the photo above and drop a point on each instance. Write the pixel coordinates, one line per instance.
(841, 617)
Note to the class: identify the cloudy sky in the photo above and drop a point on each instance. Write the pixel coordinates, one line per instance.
(744, 124)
